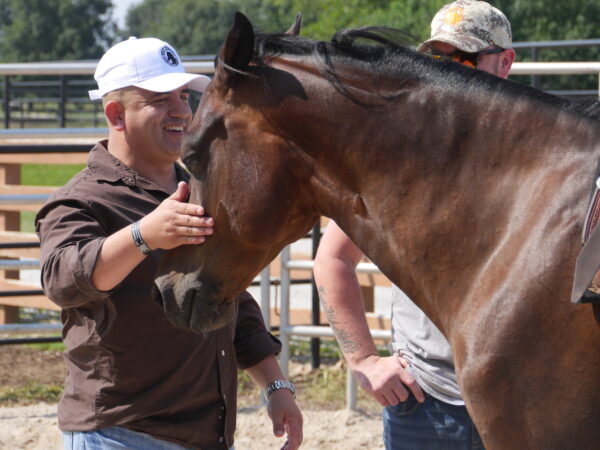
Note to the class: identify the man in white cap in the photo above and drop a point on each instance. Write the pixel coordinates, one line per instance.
(133, 380)
(417, 384)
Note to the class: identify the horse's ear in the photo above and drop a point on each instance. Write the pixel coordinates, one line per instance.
(294, 30)
(239, 44)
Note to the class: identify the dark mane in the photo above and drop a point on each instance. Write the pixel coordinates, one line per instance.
(387, 51)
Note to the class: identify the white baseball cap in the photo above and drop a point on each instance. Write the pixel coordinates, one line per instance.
(147, 63)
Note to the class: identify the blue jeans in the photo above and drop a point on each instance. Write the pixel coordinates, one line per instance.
(431, 425)
(114, 438)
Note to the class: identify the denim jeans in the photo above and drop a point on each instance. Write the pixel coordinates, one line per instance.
(114, 438)
(431, 425)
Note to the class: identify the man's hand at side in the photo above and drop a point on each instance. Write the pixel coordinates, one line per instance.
(286, 418)
(386, 379)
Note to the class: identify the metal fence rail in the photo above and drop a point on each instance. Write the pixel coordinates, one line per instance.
(49, 98)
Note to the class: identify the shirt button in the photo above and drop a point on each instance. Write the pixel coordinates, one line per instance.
(222, 352)
(221, 439)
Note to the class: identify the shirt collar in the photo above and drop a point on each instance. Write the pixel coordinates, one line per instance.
(106, 167)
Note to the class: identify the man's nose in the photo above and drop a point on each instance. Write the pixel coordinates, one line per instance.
(180, 107)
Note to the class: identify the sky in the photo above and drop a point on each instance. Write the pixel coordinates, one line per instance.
(120, 9)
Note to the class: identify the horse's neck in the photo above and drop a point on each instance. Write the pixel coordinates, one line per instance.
(437, 217)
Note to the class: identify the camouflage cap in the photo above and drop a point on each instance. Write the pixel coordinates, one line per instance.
(470, 26)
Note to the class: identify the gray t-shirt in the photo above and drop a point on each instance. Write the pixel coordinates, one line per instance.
(423, 346)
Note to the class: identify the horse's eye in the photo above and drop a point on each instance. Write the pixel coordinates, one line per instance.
(190, 162)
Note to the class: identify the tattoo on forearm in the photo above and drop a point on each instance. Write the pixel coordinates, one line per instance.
(344, 338)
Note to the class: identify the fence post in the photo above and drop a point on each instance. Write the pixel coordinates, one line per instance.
(265, 296)
(7, 101)
(535, 79)
(9, 221)
(315, 343)
(62, 108)
(284, 318)
(351, 390)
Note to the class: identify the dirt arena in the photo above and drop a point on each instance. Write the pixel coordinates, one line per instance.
(34, 427)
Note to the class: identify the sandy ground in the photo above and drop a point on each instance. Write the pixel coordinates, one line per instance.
(34, 427)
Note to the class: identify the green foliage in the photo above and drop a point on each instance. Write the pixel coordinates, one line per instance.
(322, 18)
(41, 30)
(193, 27)
(550, 21)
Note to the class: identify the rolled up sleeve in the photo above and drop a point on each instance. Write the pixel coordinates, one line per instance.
(70, 242)
(252, 341)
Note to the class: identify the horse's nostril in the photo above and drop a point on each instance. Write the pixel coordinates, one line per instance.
(157, 296)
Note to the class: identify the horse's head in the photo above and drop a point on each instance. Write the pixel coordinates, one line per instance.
(247, 179)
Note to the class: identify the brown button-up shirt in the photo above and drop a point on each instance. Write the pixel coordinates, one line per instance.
(126, 365)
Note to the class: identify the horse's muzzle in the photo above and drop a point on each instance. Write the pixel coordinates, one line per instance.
(192, 305)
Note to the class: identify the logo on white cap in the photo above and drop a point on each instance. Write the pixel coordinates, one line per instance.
(169, 56)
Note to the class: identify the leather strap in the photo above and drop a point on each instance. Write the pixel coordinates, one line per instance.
(588, 263)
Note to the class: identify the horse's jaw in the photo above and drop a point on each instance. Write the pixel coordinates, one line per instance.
(191, 305)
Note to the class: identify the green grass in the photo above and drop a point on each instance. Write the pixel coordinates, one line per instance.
(44, 175)
(48, 346)
(322, 388)
(30, 393)
(48, 174)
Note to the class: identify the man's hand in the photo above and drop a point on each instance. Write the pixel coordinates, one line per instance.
(286, 418)
(174, 223)
(386, 379)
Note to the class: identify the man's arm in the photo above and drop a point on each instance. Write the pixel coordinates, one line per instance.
(171, 224)
(281, 405)
(335, 274)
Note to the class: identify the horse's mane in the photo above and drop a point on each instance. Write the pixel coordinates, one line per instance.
(382, 50)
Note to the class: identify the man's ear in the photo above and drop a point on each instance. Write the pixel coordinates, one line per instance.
(507, 57)
(115, 114)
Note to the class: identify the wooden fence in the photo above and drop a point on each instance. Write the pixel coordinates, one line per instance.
(39, 147)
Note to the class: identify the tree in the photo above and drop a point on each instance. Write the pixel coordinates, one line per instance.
(42, 30)
(199, 26)
(193, 27)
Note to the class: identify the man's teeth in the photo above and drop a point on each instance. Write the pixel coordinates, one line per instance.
(174, 128)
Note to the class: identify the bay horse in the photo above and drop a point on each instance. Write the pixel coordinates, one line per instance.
(467, 191)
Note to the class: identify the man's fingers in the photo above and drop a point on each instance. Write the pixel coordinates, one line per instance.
(193, 221)
(398, 392)
(278, 429)
(189, 209)
(417, 392)
(294, 432)
(294, 435)
(194, 231)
